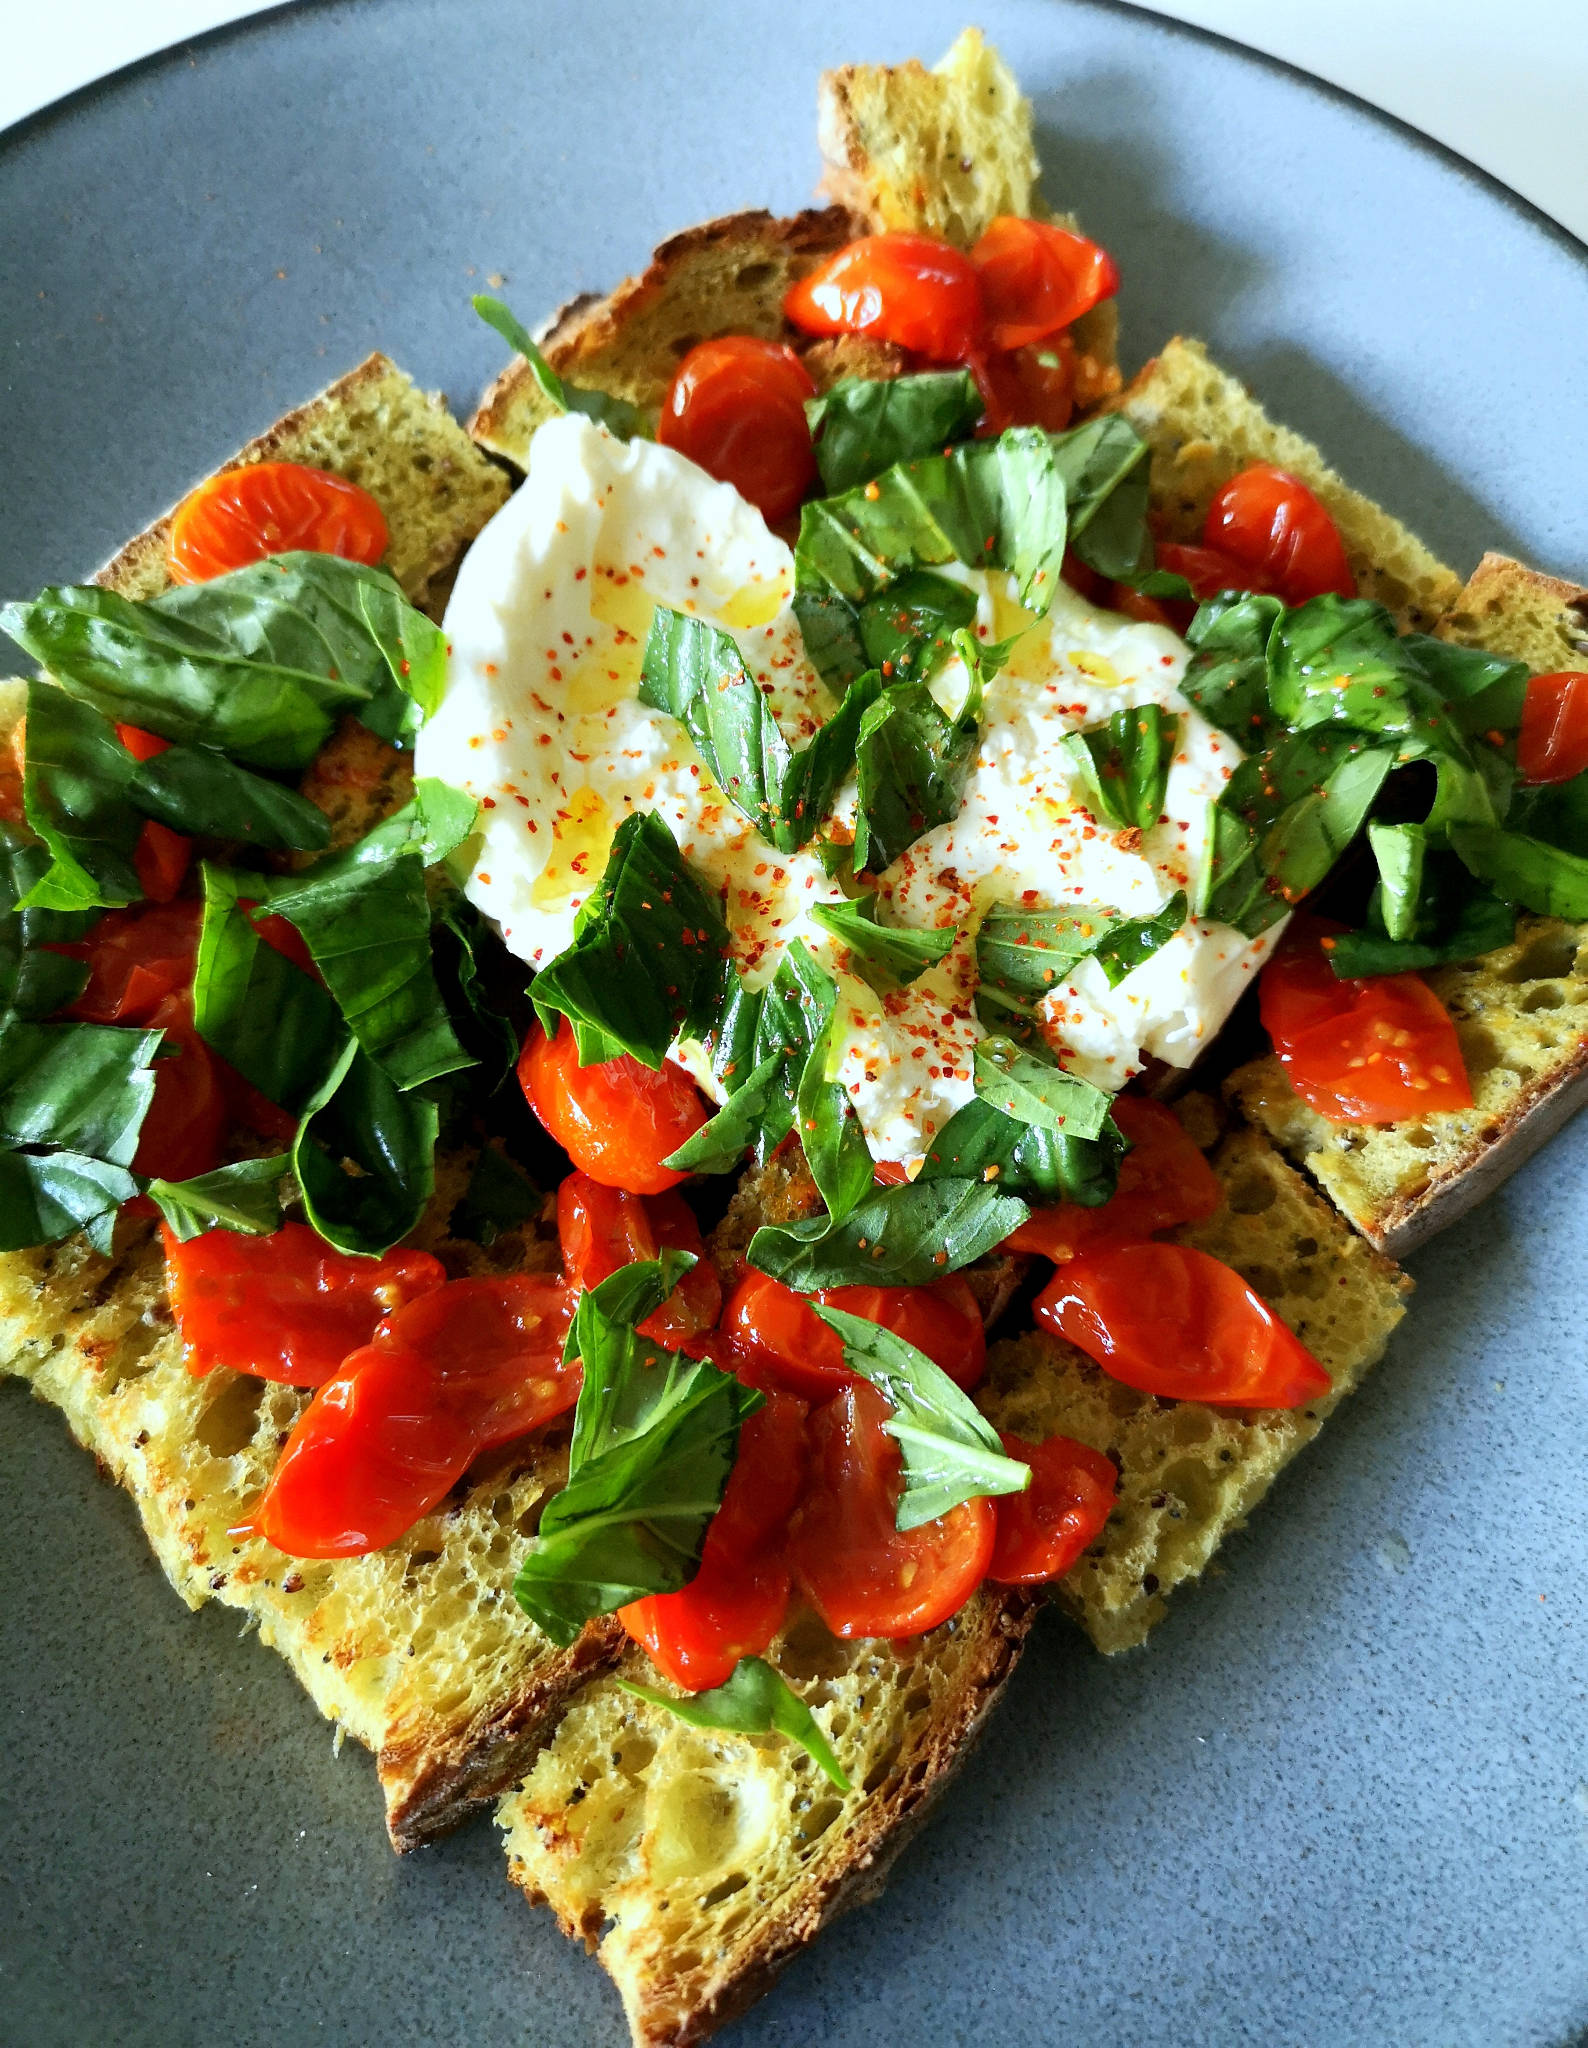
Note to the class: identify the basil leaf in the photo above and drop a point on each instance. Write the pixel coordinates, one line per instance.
(912, 762)
(358, 1115)
(1104, 464)
(753, 1700)
(33, 982)
(1483, 691)
(655, 1437)
(907, 631)
(275, 1024)
(500, 1196)
(1400, 851)
(1338, 660)
(1541, 878)
(47, 1196)
(864, 425)
(1023, 955)
(257, 663)
(650, 957)
(951, 1453)
(193, 789)
(1036, 1092)
(885, 956)
(75, 780)
(980, 1143)
(616, 414)
(433, 823)
(1461, 923)
(243, 1197)
(762, 1042)
(1126, 763)
(719, 1146)
(414, 649)
(1556, 812)
(830, 1132)
(1227, 675)
(86, 1087)
(897, 1237)
(1309, 835)
(488, 1032)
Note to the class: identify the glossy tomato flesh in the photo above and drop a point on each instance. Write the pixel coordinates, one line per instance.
(1359, 1051)
(1042, 1531)
(1164, 1179)
(736, 406)
(602, 1228)
(916, 291)
(186, 1120)
(1033, 387)
(471, 1364)
(863, 1576)
(1553, 743)
(616, 1119)
(1037, 278)
(1270, 523)
(782, 1341)
(1172, 1321)
(271, 508)
(162, 857)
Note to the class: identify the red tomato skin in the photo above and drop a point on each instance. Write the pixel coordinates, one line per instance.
(1164, 1179)
(186, 1121)
(285, 1307)
(864, 1577)
(161, 860)
(1209, 570)
(136, 958)
(1031, 387)
(1359, 1051)
(782, 1341)
(602, 1228)
(1173, 1321)
(1553, 743)
(1269, 521)
(1037, 279)
(271, 508)
(910, 289)
(384, 1440)
(1042, 1531)
(143, 746)
(736, 406)
(617, 1120)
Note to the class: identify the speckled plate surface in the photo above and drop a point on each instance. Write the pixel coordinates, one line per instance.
(1343, 1797)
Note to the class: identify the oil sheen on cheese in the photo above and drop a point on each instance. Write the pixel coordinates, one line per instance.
(542, 724)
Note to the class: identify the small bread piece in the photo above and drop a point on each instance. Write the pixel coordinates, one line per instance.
(1521, 1013)
(378, 429)
(702, 1862)
(1189, 1474)
(1203, 427)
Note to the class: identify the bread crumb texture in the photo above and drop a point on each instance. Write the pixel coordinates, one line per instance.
(419, 1650)
(1189, 1474)
(1203, 427)
(700, 1861)
(379, 430)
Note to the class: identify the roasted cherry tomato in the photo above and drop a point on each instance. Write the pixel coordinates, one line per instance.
(136, 958)
(862, 1575)
(617, 1120)
(1170, 1320)
(1208, 570)
(1164, 1179)
(737, 1601)
(780, 1337)
(1553, 746)
(1033, 387)
(909, 289)
(1042, 1531)
(271, 508)
(475, 1363)
(602, 1228)
(1359, 1052)
(285, 1307)
(161, 856)
(186, 1120)
(1036, 279)
(737, 407)
(1269, 522)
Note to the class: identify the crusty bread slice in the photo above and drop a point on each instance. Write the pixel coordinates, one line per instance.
(701, 1863)
(1189, 1474)
(1203, 426)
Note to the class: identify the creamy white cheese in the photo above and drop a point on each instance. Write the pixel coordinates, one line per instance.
(540, 721)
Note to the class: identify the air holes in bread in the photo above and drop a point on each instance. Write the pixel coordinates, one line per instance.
(227, 1424)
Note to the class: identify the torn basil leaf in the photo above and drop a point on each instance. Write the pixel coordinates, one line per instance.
(951, 1453)
(865, 425)
(245, 1197)
(1033, 1090)
(83, 1087)
(1023, 955)
(34, 982)
(912, 762)
(1125, 764)
(46, 1196)
(1400, 851)
(1455, 919)
(414, 649)
(1483, 691)
(1227, 675)
(753, 1700)
(885, 956)
(75, 780)
(830, 1132)
(897, 1237)
(908, 630)
(358, 1116)
(195, 790)
(1542, 878)
(980, 1143)
(721, 1144)
(500, 1196)
(275, 1024)
(616, 414)
(1104, 464)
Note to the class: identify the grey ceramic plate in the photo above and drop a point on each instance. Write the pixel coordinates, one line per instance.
(1343, 1798)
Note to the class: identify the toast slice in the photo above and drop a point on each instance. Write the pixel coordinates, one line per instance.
(419, 1651)
(697, 1864)
(1521, 1013)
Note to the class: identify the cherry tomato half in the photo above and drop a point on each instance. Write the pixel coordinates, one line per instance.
(738, 1600)
(1032, 387)
(1208, 570)
(1042, 1531)
(1036, 279)
(1553, 745)
(472, 1364)
(1164, 1179)
(916, 291)
(186, 1120)
(136, 958)
(285, 1307)
(862, 1575)
(271, 508)
(1270, 523)
(1359, 1052)
(602, 1228)
(782, 1341)
(1170, 1320)
(617, 1120)
(736, 406)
